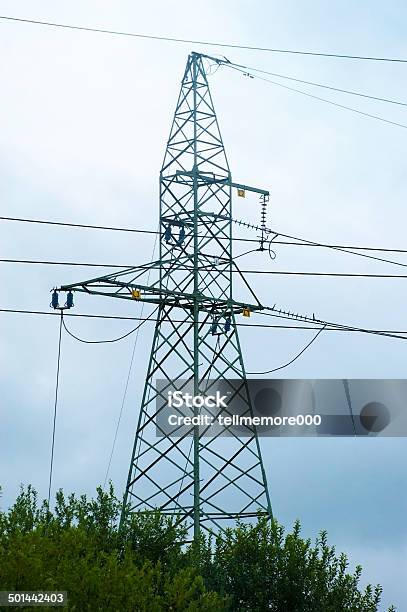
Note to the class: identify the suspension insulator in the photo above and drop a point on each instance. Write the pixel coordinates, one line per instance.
(181, 236)
(167, 233)
(54, 299)
(69, 300)
(228, 324)
(214, 327)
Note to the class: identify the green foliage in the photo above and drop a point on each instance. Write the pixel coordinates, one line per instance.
(77, 548)
(148, 566)
(260, 568)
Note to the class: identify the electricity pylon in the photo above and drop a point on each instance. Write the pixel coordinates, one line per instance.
(207, 482)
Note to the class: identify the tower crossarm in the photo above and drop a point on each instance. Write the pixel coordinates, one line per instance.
(160, 296)
(209, 178)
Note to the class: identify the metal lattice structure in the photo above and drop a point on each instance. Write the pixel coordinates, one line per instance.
(210, 481)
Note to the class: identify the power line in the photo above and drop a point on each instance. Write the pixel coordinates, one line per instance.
(336, 274)
(72, 314)
(330, 326)
(62, 263)
(294, 358)
(314, 84)
(202, 42)
(303, 242)
(112, 339)
(273, 312)
(309, 95)
(272, 272)
(55, 408)
(126, 386)
(80, 225)
(340, 248)
(349, 402)
(101, 227)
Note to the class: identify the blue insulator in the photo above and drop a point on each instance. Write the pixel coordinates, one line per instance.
(214, 327)
(228, 324)
(69, 299)
(181, 236)
(54, 299)
(167, 233)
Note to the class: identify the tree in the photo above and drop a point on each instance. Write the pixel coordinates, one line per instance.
(261, 568)
(149, 565)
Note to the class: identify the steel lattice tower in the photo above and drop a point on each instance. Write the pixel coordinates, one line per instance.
(206, 481)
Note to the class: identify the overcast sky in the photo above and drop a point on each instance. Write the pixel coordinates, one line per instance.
(83, 125)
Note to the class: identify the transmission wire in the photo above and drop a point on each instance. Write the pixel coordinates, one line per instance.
(330, 326)
(349, 402)
(127, 381)
(296, 80)
(304, 93)
(55, 408)
(202, 42)
(214, 267)
(143, 231)
(292, 360)
(342, 249)
(303, 242)
(113, 339)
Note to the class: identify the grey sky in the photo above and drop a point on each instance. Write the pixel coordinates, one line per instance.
(83, 124)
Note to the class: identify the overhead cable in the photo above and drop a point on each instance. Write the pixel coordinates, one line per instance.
(272, 272)
(203, 42)
(302, 241)
(293, 359)
(112, 339)
(54, 419)
(316, 323)
(320, 85)
(309, 95)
